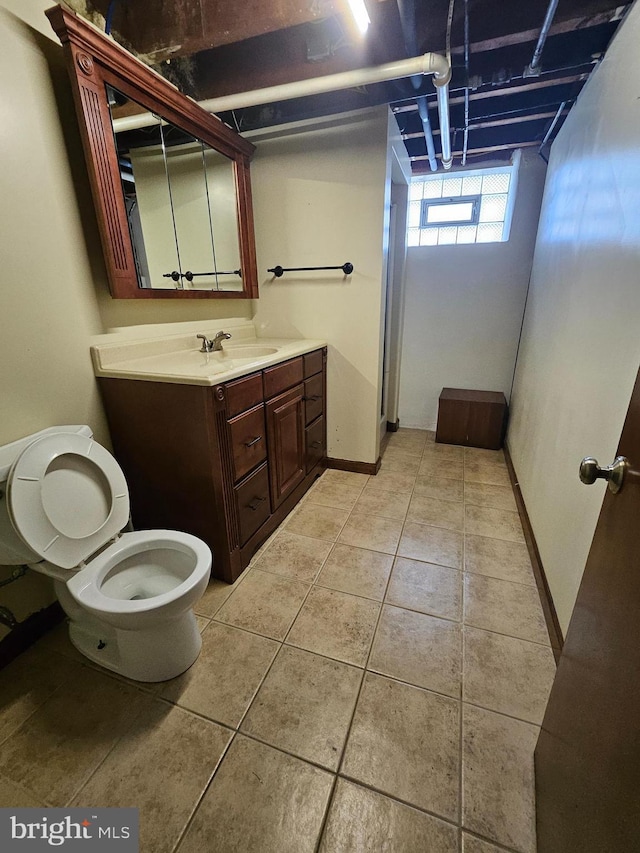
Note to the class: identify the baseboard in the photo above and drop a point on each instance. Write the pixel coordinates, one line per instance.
(393, 426)
(357, 467)
(548, 608)
(26, 633)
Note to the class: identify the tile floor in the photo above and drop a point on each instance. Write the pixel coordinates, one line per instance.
(374, 682)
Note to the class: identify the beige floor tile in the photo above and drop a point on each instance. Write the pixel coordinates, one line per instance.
(435, 512)
(260, 801)
(498, 782)
(437, 486)
(162, 766)
(414, 438)
(482, 454)
(215, 596)
(294, 556)
(405, 741)
(493, 523)
(14, 796)
(348, 478)
(493, 473)
(392, 481)
(385, 504)
(337, 495)
(419, 649)
(305, 706)
(264, 603)
(481, 494)
(64, 741)
(399, 451)
(372, 532)
(57, 640)
(400, 465)
(223, 681)
(357, 571)
(335, 624)
(431, 544)
(505, 607)
(426, 587)
(435, 465)
(498, 559)
(444, 451)
(363, 821)
(506, 674)
(471, 844)
(319, 522)
(29, 681)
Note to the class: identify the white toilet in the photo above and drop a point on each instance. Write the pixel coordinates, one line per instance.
(129, 596)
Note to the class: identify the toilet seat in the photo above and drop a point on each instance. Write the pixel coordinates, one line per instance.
(67, 497)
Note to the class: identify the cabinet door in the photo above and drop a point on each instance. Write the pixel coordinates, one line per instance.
(285, 431)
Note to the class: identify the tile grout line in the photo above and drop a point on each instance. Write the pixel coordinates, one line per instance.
(355, 704)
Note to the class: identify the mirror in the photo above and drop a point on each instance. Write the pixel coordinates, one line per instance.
(170, 181)
(180, 200)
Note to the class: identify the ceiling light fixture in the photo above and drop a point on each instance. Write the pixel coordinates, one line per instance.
(360, 14)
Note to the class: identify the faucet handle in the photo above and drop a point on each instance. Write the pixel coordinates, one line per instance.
(207, 345)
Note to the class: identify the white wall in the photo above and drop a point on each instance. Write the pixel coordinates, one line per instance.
(581, 343)
(464, 307)
(318, 193)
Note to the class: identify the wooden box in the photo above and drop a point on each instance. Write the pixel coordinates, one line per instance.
(472, 418)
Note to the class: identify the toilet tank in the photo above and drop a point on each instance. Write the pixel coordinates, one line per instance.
(13, 550)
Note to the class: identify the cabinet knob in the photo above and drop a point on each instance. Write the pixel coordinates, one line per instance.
(255, 503)
(253, 441)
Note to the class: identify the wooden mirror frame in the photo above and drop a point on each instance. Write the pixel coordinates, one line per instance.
(95, 61)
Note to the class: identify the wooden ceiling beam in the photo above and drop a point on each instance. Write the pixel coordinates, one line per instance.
(157, 30)
(483, 125)
(537, 83)
(559, 28)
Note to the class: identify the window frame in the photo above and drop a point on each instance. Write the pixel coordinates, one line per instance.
(475, 200)
(512, 169)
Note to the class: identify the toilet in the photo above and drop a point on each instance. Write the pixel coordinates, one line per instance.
(129, 596)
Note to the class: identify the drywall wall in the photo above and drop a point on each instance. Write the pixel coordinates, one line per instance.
(318, 193)
(464, 307)
(581, 348)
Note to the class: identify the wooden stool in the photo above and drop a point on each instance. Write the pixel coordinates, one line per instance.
(472, 418)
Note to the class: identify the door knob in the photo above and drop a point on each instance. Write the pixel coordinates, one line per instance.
(614, 474)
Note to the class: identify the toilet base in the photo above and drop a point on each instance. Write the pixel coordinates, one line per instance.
(156, 654)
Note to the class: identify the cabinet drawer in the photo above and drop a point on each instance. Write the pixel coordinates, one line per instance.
(282, 376)
(312, 363)
(314, 443)
(248, 441)
(313, 403)
(243, 394)
(252, 501)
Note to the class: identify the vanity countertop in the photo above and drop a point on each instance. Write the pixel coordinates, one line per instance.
(176, 359)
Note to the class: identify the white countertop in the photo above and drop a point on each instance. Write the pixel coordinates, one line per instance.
(176, 359)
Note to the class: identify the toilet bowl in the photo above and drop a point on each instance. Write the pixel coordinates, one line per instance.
(129, 596)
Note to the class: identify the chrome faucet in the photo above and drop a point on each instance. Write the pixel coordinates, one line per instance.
(214, 345)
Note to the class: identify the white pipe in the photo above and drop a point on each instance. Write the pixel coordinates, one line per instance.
(445, 131)
(428, 63)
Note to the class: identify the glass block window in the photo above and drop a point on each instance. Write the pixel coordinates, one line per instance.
(465, 207)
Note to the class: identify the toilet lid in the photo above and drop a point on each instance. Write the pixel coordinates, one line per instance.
(67, 497)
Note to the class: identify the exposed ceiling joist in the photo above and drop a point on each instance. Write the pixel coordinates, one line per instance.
(569, 26)
(483, 125)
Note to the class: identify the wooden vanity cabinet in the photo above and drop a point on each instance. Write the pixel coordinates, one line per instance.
(226, 463)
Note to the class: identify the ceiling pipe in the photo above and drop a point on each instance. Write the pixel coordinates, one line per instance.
(427, 64)
(533, 69)
(407, 11)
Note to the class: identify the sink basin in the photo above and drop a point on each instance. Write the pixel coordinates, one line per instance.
(239, 352)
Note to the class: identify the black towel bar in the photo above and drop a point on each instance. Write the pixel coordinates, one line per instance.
(278, 271)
